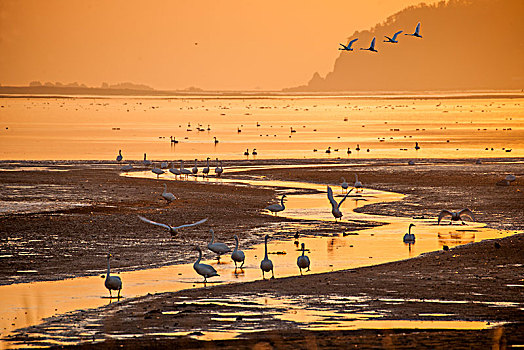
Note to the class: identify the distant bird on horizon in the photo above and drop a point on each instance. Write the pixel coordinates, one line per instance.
(455, 216)
(348, 46)
(119, 157)
(393, 40)
(146, 161)
(371, 46)
(254, 151)
(417, 147)
(417, 32)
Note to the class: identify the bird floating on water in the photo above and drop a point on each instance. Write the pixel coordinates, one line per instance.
(417, 147)
(238, 255)
(112, 282)
(172, 229)
(119, 157)
(409, 237)
(266, 265)
(455, 216)
(348, 46)
(417, 32)
(371, 46)
(194, 170)
(303, 260)
(393, 40)
(204, 270)
(217, 247)
(335, 207)
(254, 152)
(275, 208)
(168, 196)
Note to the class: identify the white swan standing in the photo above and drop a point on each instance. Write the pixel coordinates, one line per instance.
(303, 260)
(266, 265)
(358, 184)
(348, 46)
(409, 237)
(168, 196)
(456, 216)
(172, 229)
(112, 282)
(217, 247)
(371, 46)
(119, 157)
(238, 256)
(219, 170)
(393, 40)
(195, 168)
(417, 32)
(275, 208)
(344, 184)
(203, 269)
(335, 207)
(205, 171)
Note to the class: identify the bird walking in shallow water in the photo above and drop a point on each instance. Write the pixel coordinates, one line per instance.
(275, 208)
(238, 255)
(205, 171)
(217, 247)
(204, 270)
(266, 265)
(358, 184)
(303, 260)
(455, 216)
(344, 184)
(112, 282)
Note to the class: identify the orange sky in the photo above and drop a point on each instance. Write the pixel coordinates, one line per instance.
(242, 44)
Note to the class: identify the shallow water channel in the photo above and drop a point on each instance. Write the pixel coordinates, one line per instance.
(26, 304)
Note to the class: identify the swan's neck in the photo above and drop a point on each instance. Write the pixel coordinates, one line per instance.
(207, 162)
(199, 257)
(108, 269)
(144, 156)
(195, 162)
(356, 177)
(343, 180)
(212, 237)
(282, 202)
(303, 250)
(165, 188)
(236, 244)
(409, 229)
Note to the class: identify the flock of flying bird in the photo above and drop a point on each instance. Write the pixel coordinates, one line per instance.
(392, 40)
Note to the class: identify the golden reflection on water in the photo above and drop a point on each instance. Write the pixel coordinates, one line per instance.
(96, 128)
(25, 304)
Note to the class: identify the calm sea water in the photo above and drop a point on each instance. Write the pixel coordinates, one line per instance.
(91, 128)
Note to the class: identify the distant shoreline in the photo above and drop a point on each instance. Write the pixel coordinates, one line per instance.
(84, 93)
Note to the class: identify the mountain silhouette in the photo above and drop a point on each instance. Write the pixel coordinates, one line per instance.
(466, 45)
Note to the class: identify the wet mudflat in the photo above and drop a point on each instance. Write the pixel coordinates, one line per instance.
(281, 295)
